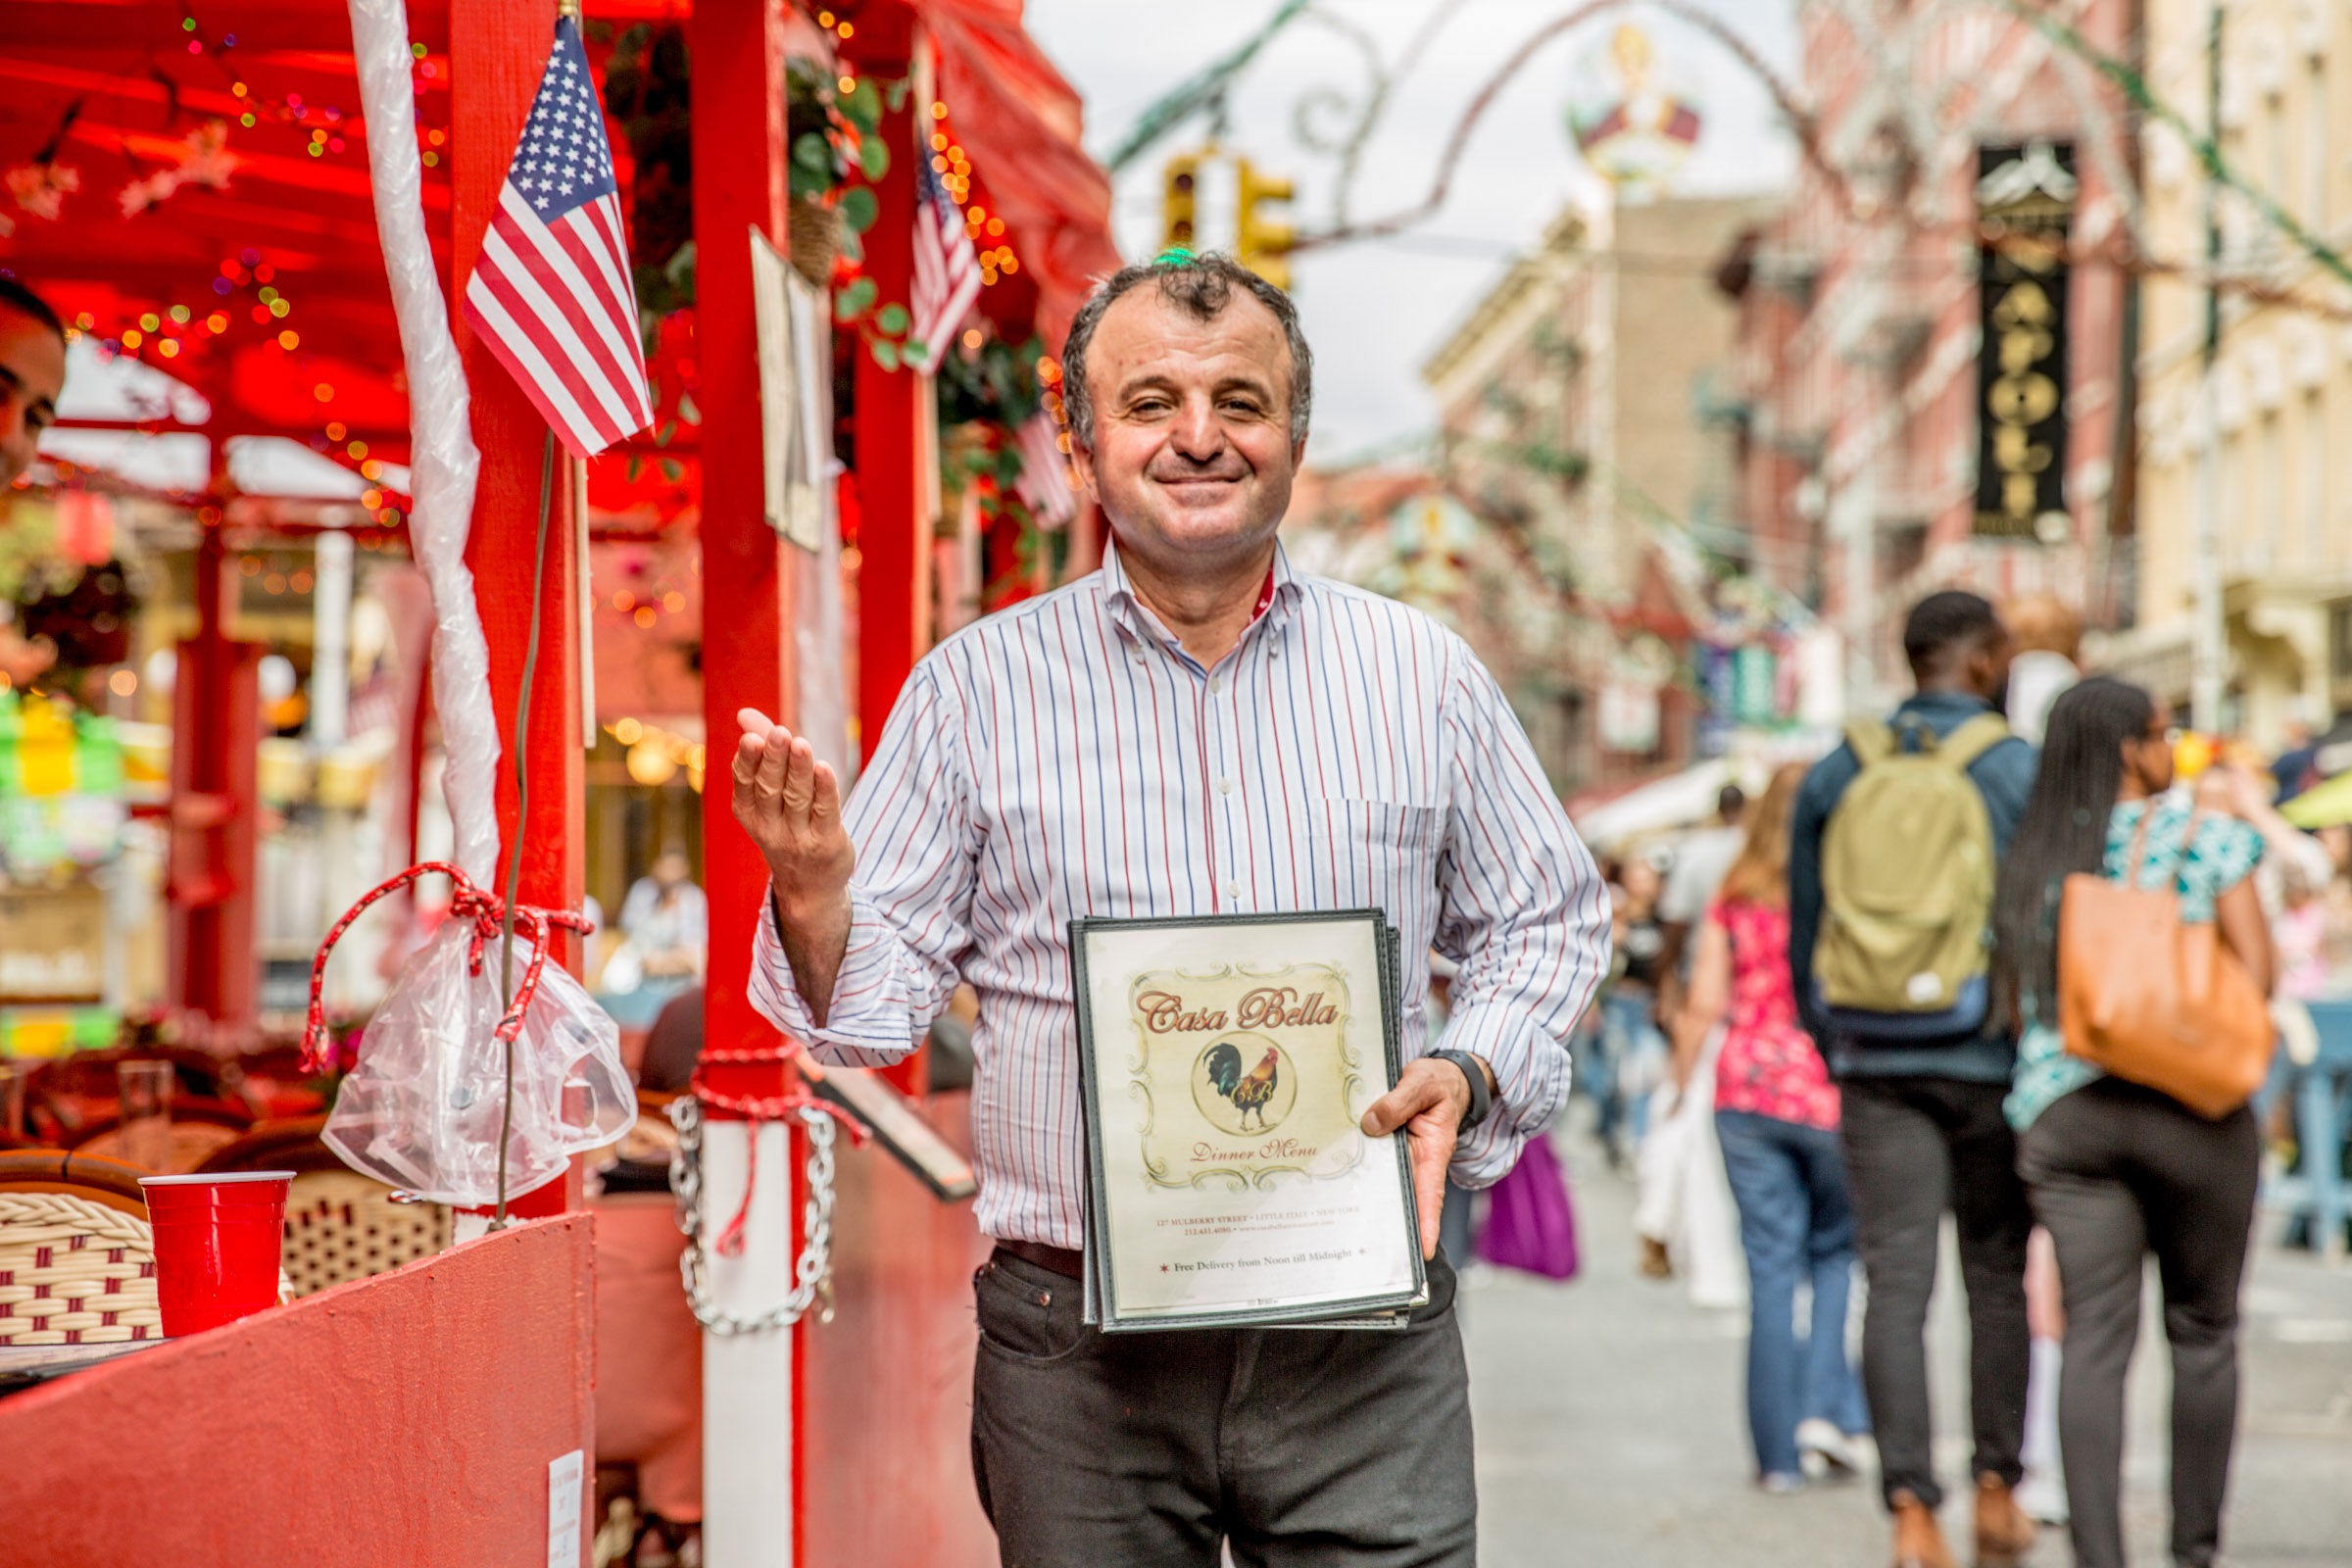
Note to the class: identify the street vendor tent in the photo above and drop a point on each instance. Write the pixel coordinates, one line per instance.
(1677, 800)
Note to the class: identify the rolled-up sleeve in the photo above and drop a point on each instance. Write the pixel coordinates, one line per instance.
(1524, 912)
(910, 897)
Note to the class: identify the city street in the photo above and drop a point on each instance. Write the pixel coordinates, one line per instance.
(1610, 1431)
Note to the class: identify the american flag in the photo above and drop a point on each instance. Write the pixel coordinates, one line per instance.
(1044, 481)
(551, 294)
(946, 271)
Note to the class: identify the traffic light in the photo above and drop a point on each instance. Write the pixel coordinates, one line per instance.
(1176, 201)
(1259, 244)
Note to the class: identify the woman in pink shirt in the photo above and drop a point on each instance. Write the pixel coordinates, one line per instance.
(1776, 1114)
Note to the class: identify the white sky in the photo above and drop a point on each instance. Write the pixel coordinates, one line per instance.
(1375, 311)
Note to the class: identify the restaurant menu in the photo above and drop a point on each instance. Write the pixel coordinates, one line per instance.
(1227, 1062)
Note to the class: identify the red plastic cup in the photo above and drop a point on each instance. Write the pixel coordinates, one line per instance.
(218, 1244)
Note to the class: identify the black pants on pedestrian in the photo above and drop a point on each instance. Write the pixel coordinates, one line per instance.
(2116, 1172)
(1914, 1148)
(1303, 1448)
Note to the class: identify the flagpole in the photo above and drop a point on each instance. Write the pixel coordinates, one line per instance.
(587, 597)
(522, 811)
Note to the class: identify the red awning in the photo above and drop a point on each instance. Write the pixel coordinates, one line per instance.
(1022, 120)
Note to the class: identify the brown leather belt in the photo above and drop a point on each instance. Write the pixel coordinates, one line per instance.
(1054, 1260)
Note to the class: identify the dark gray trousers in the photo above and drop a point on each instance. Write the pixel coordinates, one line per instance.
(1305, 1447)
(1914, 1148)
(2116, 1172)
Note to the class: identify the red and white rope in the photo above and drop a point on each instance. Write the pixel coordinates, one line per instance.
(758, 1109)
(468, 902)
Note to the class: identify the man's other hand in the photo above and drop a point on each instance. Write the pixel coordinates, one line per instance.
(1429, 1103)
(789, 804)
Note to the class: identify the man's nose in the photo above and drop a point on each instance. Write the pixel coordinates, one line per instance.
(1198, 435)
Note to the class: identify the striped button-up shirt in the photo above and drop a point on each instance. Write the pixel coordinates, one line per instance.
(1068, 757)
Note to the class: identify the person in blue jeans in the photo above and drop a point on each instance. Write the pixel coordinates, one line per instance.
(1633, 1047)
(1776, 1116)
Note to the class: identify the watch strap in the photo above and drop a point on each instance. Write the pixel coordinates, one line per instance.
(1482, 1099)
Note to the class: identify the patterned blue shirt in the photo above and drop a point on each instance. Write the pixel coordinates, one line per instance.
(2225, 854)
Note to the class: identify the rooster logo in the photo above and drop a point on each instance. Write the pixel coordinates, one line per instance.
(1250, 1092)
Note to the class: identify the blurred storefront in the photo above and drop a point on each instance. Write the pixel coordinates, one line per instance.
(2259, 438)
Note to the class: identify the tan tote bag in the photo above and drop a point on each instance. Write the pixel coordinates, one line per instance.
(2155, 998)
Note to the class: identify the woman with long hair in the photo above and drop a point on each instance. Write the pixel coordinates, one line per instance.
(1775, 1115)
(2117, 1170)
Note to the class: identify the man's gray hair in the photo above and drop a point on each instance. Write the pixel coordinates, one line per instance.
(1202, 286)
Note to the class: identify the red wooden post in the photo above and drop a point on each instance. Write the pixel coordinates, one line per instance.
(751, 1400)
(895, 441)
(893, 536)
(747, 660)
(498, 51)
(215, 794)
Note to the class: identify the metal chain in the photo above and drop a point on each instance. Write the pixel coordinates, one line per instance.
(810, 1283)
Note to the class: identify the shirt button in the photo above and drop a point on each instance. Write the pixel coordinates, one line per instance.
(1217, 685)
(1233, 893)
(1224, 786)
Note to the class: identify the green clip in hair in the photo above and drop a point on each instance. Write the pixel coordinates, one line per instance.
(1174, 256)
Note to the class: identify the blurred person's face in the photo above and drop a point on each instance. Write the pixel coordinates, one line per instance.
(1192, 458)
(670, 870)
(2148, 757)
(1642, 883)
(32, 376)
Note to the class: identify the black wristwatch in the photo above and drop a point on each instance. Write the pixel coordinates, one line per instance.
(1482, 1099)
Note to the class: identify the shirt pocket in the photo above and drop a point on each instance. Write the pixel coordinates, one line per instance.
(1378, 854)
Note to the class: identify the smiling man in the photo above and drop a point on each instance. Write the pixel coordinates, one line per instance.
(1195, 729)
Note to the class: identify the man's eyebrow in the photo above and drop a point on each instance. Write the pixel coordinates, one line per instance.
(1147, 381)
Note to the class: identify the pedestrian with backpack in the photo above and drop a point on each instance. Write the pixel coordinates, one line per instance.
(1893, 852)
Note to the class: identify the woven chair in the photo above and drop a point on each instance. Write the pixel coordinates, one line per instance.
(76, 1262)
(340, 1225)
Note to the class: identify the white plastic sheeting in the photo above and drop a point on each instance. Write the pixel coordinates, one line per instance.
(443, 458)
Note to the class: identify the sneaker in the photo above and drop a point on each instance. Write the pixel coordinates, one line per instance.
(1828, 1453)
(2042, 1495)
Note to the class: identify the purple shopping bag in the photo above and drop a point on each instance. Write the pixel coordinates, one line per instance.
(1530, 1223)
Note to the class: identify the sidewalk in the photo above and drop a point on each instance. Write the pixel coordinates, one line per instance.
(1611, 1432)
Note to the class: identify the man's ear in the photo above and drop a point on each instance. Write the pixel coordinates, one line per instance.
(1082, 458)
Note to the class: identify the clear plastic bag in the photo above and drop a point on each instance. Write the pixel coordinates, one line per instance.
(420, 1109)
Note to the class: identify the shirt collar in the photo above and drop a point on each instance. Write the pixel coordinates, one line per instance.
(1136, 617)
(1944, 705)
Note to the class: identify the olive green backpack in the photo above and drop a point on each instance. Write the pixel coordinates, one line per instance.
(1906, 879)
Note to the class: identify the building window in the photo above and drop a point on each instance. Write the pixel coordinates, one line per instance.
(2314, 478)
(2272, 524)
(2316, 153)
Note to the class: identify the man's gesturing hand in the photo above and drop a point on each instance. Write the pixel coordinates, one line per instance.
(789, 804)
(1429, 1103)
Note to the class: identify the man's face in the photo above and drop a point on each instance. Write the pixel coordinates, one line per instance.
(1988, 666)
(32, 375)
(670, 869)
(1192, 456)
